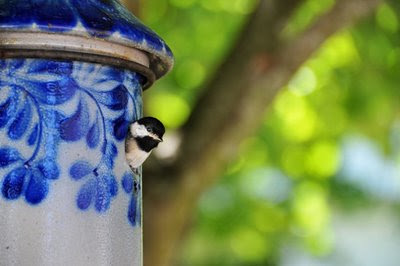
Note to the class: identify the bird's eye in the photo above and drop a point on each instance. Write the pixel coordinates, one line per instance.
(149, 129)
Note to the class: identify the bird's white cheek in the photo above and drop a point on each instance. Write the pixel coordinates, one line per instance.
(141, 131)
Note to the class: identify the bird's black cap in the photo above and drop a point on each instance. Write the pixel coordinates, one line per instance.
(153, 125)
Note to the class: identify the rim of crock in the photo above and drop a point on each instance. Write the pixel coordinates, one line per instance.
(27, 44)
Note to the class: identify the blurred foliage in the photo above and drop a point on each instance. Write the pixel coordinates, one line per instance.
(289, 178)
(198, 48)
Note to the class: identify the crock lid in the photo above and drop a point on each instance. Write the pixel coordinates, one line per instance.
(95, 30)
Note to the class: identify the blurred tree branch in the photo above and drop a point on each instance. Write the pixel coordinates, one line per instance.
(230, 109)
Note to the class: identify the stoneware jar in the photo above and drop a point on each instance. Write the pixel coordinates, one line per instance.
(71, 79)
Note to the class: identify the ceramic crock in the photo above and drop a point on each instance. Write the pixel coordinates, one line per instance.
(71, 79)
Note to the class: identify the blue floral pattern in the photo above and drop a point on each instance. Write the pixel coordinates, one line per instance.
(46, 104)
(132, 186)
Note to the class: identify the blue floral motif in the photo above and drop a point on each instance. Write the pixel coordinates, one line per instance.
(45, 104)
(131, 186)
(98, 189)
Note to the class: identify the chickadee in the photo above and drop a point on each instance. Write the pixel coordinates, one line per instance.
(143, 136)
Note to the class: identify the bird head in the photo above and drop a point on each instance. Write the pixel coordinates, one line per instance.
(148, 132)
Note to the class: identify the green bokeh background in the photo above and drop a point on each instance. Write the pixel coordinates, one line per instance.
(327, 144)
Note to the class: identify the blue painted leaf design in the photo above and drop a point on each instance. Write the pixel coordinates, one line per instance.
(52, 118)
(93, 136)
(13, 183)
(113, 186)
(75, 127)
(8, 156)
(114, 150)
(103, 196)
(37, 188)
(111, 154)
(53, 92)
(86, 194)
(21, 122)
(49, 169)
(33, 136)
(120, 127)
(59, 68)
(114, 74)
(80, 169)
(116, 99)
(37, 99)
(127, 182)
(132, 211)
(5, 114)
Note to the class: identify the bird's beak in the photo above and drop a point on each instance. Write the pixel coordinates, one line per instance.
(154, 136)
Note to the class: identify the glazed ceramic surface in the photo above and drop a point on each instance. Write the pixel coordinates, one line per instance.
(71, 80)
(62, 164)
(103, 19)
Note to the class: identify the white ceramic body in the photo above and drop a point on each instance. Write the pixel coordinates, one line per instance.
(68, 196)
